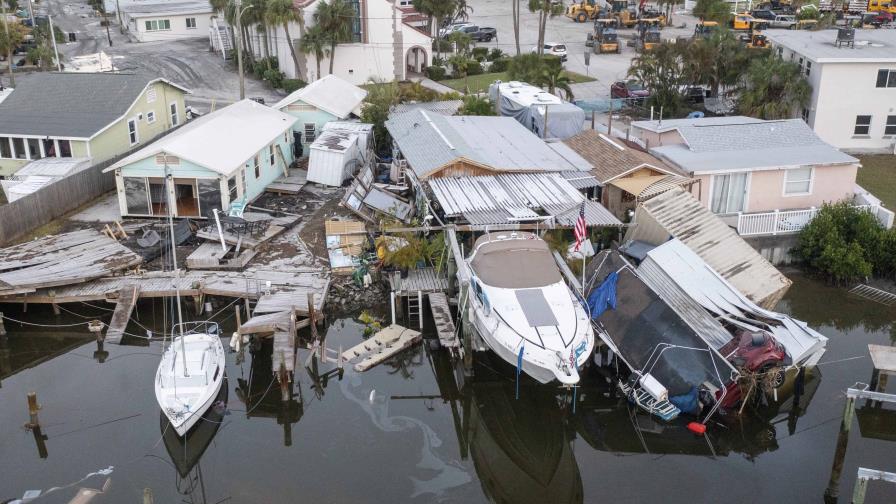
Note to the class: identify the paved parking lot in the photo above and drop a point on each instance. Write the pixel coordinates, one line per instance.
(606, 68)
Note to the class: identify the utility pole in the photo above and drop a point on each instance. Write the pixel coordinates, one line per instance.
(106, 22)
(120, 22)
(9, 62)
(239, 48)
(31, 12)
(55, 49)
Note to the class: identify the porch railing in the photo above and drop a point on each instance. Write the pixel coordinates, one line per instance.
(793, 221)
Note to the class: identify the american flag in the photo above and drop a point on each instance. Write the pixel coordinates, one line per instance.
(580, 227)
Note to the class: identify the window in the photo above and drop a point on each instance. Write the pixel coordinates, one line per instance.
(729, 193)
(890, 128)
(798, 181)
(309, 132)
(135, 196)
(805, 115)
(886, 78)
(5, 148)
(158, 24)
(863, 125)
(191, 23)
(173, 109)
(271, 156)
(808, 67)
(132, 131)
(49, 148)
(257, 162)
(18, 147)
(357, 35)
(231, 188)
(150, 117)
(33, 148)
(65, 148)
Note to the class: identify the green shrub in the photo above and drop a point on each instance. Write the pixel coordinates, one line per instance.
(480, 53)
(474, 68)
(845, 244)
(499, 65)
(477, 105)
(436, 72)
(496, 54)
(290, 85)
(438, 61)
(274, 77)
(442, 46)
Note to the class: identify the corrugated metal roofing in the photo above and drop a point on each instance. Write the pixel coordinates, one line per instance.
(580, 180)
(430, 141)
(500, 199)
(444, 107)
(717, 244)
(53, 167)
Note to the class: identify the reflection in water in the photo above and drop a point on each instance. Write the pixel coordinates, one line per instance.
(521, 448)
(261, 395)
(26, 350)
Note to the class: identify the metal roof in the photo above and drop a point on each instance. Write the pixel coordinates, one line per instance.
(661, 125)
(683, 217)
(750, 146)
(430, 141)
(174, 8)
(444, 107)
(580, 180)
(330, 94)
(513, 198)
(335, 140)
(71, 104)
(871, 46)
(53, 167)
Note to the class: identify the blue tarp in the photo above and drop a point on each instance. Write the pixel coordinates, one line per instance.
(687, 402)
(603, 296)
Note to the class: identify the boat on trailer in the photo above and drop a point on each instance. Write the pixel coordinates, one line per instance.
(190, 374)
(520, 306)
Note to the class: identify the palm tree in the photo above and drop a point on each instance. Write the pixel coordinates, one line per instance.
(716, 62)
(282, 12)
(773, 89)
(335, 19)
(661, 71)
(314, 42)
(554, 78)
(10, 37)
(545, 9)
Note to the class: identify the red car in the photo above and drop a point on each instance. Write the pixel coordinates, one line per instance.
(757, 352)
(629, 90)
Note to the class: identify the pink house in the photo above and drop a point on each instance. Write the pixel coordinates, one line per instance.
(754, 168)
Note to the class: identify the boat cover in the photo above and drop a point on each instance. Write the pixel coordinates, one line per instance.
(804, 345)
(642, 325)
(514, 263)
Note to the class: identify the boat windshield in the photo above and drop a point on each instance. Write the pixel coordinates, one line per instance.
(515, 264)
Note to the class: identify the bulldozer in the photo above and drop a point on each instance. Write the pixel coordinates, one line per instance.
(755, 39)
(604, 39)
(654, 17)
(626, 18)
(583, 11)
(648, 36)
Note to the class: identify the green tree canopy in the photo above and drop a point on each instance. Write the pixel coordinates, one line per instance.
(662, 71)
(773, 89)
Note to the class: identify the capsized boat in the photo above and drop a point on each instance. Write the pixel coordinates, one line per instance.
(522, 309)
(190, 374)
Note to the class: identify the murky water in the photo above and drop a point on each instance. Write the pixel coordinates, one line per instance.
(404, 432)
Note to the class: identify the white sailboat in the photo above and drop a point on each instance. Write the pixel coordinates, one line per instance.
(518, 303)
(191, 370)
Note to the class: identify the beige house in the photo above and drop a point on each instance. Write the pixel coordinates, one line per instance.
(96, 116)
(750, 166)
(626, 174)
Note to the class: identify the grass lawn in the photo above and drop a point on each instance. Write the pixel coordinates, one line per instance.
(480, 83)
(878, 176)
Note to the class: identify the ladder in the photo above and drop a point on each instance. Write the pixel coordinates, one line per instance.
(415, 309)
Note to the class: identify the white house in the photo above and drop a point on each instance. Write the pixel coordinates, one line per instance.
(327, 99)
(150, 22)
(853, 105)
(385, 46)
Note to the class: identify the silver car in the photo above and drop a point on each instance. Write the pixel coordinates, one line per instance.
(783, 21)
(553, 48)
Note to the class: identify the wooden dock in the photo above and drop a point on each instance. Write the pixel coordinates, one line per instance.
(63, 259)
(381, 346)
(441, 314)
(127, 299)
(277, 226)
(424, 280)
(284, 352)
(209, 255)
(289, 184)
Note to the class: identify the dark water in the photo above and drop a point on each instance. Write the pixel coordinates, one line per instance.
(405, 432)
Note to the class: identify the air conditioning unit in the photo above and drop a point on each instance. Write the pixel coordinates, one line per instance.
(846, 36)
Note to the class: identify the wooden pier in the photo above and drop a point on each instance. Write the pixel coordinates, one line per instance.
(420, 280)
(127, 300)
(381, 346)
(441, 314)
(242, 241)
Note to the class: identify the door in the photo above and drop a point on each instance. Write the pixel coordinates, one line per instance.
(187, 198)
(729, 193)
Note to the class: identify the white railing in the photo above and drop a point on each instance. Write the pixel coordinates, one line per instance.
(793, 221)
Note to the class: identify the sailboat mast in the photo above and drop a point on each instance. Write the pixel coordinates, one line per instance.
(180, 320)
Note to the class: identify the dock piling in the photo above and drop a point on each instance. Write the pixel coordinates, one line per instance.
(33, 407)
(2, 326)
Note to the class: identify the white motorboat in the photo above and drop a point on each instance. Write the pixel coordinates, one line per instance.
(519, 302)
(190, 375)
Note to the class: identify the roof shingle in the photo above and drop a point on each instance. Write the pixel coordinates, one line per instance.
(611, 158)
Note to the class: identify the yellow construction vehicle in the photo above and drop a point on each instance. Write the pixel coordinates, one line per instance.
(626, 18)
(755, 39)
(604, 39)
(653, 17)
(706, 29)
(582, 11)
(881, 6)
(648, 36)
(742, 21)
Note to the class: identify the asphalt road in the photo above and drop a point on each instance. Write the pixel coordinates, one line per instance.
(606, 68)
(187, 62)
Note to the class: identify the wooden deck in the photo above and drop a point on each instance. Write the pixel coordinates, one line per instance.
(63, 259)
(424, 280)
(441, 315)
(277, 226)
(127, 299)
(209, 255)
(284, 351)
(381, 346)
(291, 184)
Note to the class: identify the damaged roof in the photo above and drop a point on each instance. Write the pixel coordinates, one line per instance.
(612, 158)
(429, 141)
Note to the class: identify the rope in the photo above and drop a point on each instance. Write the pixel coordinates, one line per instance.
(43, 325)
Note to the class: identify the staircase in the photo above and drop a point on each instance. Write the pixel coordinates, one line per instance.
(415, 310)
(219, 38)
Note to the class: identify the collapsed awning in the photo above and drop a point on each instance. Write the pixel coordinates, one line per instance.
(647, 187)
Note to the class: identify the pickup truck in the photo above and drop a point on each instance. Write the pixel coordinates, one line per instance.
(477, 33)
(783, 21)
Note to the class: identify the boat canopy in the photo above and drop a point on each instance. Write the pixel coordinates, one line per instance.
(514, 263)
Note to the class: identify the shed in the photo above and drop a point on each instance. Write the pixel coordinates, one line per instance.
(334, 157)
